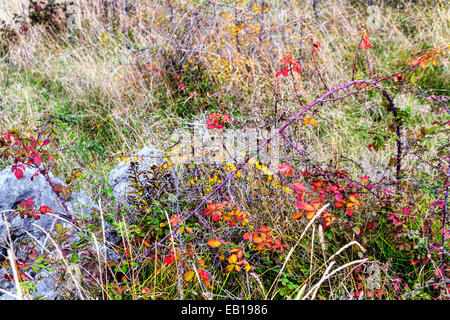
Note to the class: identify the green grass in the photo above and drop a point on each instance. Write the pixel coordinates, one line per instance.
(101, 101)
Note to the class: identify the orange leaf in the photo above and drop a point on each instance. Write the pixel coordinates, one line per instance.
(230, 267)
(146, 243)
(339, 204)
(238, 252)
(213, 243)
(309, 120)
(257, 240)
(310, 214)
(297, 215)
(232, 259)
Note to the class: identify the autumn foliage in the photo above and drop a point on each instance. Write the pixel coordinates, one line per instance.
(356, 206)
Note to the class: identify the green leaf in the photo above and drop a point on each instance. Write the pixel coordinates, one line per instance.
(75, 258)
(39, 260)
(58, 227)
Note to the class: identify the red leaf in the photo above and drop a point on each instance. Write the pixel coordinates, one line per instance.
(286, 169)
(366, 43)
(283, 72)
(247, 236)
(35, 175)
(438, 272)
(216, 216)
(45, 209)
(204, 275)
(398, 77)
(316, 47)
(298, 187)
(19, 174)
(296, 68)
(169, 260)
(37, 160)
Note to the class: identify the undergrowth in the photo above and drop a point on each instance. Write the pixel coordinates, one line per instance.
(355, 115)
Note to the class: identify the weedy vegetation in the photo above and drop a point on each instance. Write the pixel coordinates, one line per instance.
(356, 209)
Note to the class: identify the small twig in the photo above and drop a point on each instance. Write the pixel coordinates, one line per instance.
(444, 216)
(398, 133)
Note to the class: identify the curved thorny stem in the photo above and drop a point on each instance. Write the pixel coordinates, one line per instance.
(261, 146)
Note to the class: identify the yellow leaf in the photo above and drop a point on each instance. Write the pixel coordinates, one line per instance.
(310, 214)
(309, 120)
(188, 276)
(232, 259)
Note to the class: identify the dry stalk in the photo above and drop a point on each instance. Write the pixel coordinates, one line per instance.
(295, 246)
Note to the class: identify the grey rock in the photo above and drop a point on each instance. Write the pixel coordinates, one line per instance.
(28, 231)
(47, 287)
(118, 177)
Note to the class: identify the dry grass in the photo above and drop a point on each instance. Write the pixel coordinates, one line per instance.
(92, 77)
(94, 82)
